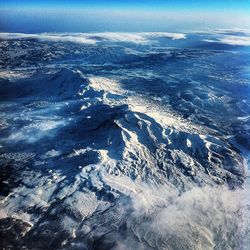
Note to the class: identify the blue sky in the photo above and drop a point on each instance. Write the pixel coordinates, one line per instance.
(130, 15)
(142, 4)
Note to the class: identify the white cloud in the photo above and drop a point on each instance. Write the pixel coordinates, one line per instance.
(230, 37)
(48, 37)
(200, 218)
(92, 38)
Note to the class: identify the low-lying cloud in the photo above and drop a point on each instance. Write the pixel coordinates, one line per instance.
(231, 37)
(201, 218)
(92, 38)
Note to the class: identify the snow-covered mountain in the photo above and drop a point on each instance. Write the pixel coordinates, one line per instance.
(124, 141)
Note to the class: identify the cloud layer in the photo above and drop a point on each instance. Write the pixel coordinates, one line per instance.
(92, 38)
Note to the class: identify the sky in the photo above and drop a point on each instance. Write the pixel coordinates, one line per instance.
(139, 4)
(130, 15)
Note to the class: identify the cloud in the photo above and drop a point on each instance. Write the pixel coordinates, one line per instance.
(47, 37)
(231, 40)
(230, 37)
(201, 218)
(92, 38)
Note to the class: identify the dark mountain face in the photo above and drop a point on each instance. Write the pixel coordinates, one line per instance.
(124, 141)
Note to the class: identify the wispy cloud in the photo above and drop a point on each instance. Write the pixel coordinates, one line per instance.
(230, 37)
(92, 38)
(200, 218)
